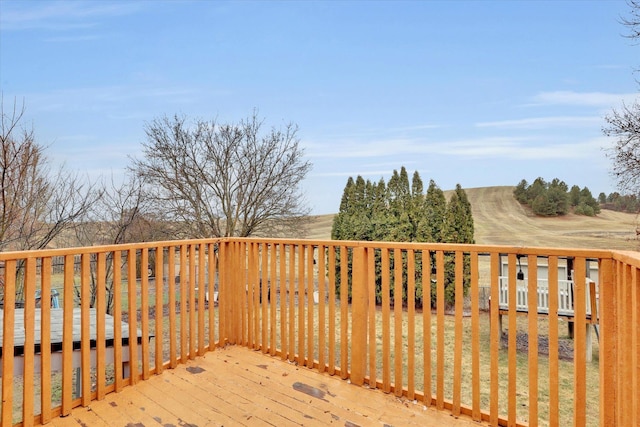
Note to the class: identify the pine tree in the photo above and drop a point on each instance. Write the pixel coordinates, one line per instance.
(340, 226)
(574, 196)
(399, 211)
(435, 209)
(520, 192)
(458, 229)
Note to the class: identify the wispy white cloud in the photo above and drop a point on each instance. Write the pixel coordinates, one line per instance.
(61, 15)
(105, 97)
(587, 99)
(363, 173)
(516, 147)
(543, 122)
(530, 149)
(74, 39)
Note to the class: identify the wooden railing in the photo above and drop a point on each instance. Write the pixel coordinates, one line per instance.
(331, 306)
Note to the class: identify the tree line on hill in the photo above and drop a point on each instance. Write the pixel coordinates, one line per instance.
(620, 203)
(555, 198)
(400, 211)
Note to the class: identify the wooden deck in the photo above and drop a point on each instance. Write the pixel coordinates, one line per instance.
(236, 386)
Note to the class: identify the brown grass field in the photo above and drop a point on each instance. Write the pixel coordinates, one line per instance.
(500, 220)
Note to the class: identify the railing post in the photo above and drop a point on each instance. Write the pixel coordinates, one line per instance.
(608, 342)
(360, 308)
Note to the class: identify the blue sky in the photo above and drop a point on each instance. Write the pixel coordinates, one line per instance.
(479, 93)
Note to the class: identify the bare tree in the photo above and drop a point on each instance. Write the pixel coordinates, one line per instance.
(632, 22)
(121, 215)
(220, 180)
(624, 125)
(36, 203)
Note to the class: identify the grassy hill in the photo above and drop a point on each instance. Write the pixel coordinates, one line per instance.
(500, 220)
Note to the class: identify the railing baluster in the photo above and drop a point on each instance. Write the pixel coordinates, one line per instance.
(292, 302)
(159, 317)
(475, 338)
(344, 312)
(440, 330)
(172, 308)
(273, 285)
(532, 291)
(457, 351)
(132, 290)
(45, 343)
(100, 325)
(184, 283)
(322, 321)
(144, 312)
(67, 334)
(264, 299)
(191, 286)
(8, 341)
(29, 341)
(359, 311)
(373, 336)
(579, 347)
(117, 319)
(310, 306)
(411, 323)
(634, 331)
(202, 289)
(300, 303)
(332, 309)
(397, 321)
(85, 316)
(284, 344)
(553, 342)
(386, 321)
(494, 410)
(426, 325)
(212, 294)
(513, 334)
(252, 300)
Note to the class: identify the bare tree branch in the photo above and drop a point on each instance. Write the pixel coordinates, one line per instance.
(225, 179)
(624, 125)
(37, 204)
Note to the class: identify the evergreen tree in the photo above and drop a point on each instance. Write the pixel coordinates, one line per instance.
(435, 209)
(399, 211)
(587, 198)
(520, 192)
(458, 229)
(379, 212)
(416, 209)
(542, 206)
(340, 227)
(538, 188)
(574, 195)
(558, 197)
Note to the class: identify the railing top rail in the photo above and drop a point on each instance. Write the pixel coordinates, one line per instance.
(101, 248)
(630, 257)
(519, 250)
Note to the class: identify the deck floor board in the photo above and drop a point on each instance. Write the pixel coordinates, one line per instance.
(236, 386)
